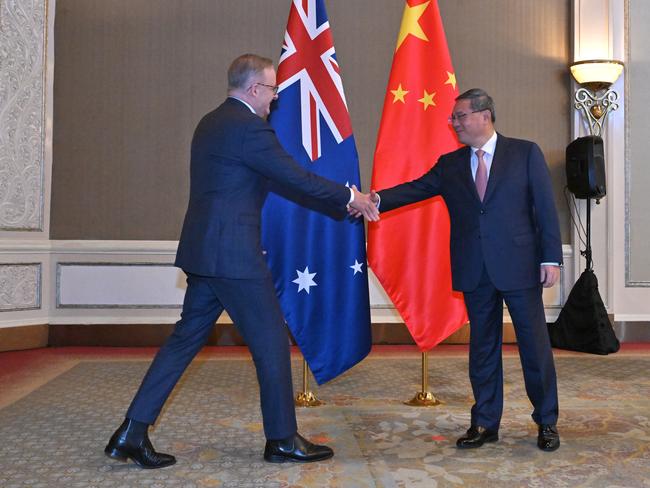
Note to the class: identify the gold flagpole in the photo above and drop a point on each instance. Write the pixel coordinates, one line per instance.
(424, 398)
(306, 398)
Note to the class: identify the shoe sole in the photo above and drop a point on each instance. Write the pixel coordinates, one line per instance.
(119, 455)
(549, 449)
(274, 458)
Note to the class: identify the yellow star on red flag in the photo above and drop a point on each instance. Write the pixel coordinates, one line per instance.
(427, 99)
(399, 94)
(410, 24)
(451, 80)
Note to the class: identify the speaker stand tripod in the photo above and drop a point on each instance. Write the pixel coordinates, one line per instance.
(587, 252)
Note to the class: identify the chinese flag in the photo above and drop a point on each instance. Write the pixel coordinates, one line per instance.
(408, 249)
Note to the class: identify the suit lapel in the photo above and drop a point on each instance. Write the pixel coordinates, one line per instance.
(498, 168)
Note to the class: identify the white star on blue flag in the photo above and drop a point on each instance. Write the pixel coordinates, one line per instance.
(305, 280)
(356, 267)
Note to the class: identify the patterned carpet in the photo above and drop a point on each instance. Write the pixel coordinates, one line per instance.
(54, 436)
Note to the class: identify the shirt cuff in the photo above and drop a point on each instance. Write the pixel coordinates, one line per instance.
(351, 196)
(549, 264)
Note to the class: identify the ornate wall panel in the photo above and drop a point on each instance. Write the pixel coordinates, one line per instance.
(20, 286)
(22, 122)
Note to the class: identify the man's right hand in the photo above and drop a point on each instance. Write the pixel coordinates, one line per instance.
(363, 204)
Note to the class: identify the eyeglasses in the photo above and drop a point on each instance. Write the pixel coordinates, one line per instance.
(275, 88)
(460, 117)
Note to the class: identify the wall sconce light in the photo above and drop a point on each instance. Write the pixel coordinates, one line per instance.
(594, 97)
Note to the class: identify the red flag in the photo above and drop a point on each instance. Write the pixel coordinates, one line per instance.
(408, 249)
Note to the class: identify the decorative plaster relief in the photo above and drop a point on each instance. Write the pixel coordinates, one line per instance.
(20, 286)
(22, 120)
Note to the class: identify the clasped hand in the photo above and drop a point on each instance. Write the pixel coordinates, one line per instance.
(364, 204)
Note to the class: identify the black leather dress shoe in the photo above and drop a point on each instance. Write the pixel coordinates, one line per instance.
(296, 449)
(548, 438)
(476, 436)
(130, 442)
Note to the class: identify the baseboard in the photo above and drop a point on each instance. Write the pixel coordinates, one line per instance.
(131, 335)
(141, 335)
(144, 335)
(399, 334)
(25, 337)
(632, 331)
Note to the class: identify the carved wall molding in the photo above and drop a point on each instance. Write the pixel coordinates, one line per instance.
(20, 286)
(23, 27)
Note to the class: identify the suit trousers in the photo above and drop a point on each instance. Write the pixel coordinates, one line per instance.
(485, 311)
(254, 308)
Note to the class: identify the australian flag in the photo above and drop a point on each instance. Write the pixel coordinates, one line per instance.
(317, 255)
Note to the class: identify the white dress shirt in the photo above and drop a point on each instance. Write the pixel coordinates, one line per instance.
(488, 148)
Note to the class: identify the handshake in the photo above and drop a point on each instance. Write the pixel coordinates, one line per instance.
(365, 204)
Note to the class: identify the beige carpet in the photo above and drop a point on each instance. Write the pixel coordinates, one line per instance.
(54, 435)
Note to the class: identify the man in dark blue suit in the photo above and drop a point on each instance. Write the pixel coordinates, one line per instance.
(235, 156)
(505, 246)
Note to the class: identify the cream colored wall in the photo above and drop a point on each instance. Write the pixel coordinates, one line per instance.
(631, 302)
(637, 154)
(600, 28)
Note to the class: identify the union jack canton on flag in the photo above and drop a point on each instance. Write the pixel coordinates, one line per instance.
(317, 256)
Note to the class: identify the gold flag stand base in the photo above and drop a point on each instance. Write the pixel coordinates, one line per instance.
(306, 398)
(424, 398)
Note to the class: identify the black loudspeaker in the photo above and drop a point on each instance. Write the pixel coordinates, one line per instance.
(585, 167)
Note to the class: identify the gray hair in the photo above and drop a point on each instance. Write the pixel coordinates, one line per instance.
(479, 100)
(244, 67)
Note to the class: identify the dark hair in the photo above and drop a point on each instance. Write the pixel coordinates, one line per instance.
(244, 67)
(479, 100)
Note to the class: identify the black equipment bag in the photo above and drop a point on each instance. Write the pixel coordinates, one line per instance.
(583, 324)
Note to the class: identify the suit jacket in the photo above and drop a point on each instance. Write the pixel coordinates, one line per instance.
(235, 154)
(511, 232)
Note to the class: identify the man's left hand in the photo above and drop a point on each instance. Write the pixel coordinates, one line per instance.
(549, 275)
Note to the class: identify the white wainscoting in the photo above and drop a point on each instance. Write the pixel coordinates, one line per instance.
(117, 282)
(119, 285)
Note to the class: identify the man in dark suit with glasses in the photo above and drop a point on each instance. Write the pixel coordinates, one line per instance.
(235, 155)
(505, 246)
